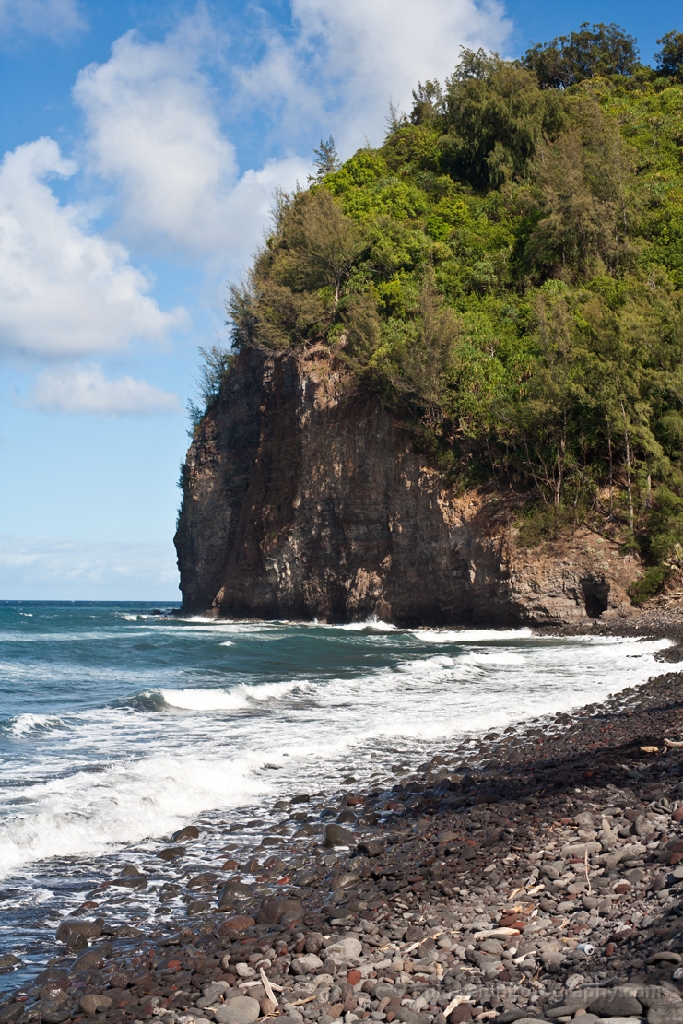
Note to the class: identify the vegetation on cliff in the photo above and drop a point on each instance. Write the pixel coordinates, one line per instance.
(506, 270)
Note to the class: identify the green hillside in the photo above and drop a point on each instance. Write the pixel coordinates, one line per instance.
(506, 271)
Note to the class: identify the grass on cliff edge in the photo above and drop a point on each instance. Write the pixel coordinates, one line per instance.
(506, 272)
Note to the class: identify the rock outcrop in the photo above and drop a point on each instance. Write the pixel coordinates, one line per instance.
(304, 498)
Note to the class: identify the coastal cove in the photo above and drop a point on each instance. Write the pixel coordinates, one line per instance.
(227, 725)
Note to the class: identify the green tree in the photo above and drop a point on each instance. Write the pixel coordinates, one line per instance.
(593, 50)
(326, 159)
(495, 117)
(292, 295)
(427, 104)
(669, 59)
(580, 189)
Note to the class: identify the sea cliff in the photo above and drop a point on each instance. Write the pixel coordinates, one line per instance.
(303, 497)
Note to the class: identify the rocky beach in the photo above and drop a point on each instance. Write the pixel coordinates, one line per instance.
(539, 877)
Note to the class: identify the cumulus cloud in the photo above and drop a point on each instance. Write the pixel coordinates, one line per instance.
(346, 60)
(53, 569)
(54, 18)
(153, 131)
(85, 389)
(64, 291)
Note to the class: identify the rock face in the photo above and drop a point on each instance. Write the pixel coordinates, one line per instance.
(303, 498)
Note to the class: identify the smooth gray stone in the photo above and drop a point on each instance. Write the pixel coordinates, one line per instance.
(672, 1014)
(240, 1010)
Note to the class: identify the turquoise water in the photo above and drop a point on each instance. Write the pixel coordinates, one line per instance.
(118, 725)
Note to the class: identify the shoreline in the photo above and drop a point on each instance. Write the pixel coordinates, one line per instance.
(458, 854)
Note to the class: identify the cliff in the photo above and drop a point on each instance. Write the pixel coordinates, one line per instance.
(303, 498)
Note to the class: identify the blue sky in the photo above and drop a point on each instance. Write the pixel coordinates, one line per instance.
(142, 143)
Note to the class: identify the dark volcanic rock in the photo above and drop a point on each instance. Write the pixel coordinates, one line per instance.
(72, 926)
(233, 892)
(273, 911)
(386, 536)
(336, 835)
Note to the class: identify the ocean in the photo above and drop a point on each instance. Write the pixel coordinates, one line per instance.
(119, 725)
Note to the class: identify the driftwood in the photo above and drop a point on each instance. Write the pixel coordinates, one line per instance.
(673, 743)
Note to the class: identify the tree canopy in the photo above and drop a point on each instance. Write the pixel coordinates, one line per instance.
(593, 50)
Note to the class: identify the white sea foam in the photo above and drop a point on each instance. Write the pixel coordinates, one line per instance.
(464, 636)
(371, 625)
(228, 700)
(24, 724)
(204, 700)
(85, 813)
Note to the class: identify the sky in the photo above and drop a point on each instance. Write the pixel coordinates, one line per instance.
(143, 141)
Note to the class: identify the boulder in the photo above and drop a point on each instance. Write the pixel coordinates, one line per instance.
(233, 892)
(306, 964)
(189, 832)
(91, 1003)
(237, 923)
(348, 948)
(371, 847)
(272, 911)
(336, 835)
(665, 1015)
(616, 1004)
(88, 929)
(240, 1010)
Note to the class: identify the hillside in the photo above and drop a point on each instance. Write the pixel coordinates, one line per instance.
(505, 274)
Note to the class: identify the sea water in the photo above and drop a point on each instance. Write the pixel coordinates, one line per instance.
(118, 725)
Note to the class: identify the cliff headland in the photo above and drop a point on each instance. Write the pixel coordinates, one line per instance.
(304, 498)
(454, 389)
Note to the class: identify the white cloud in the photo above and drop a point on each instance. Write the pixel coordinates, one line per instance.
(55, 18)
(64, 291)
(347, 60)
(85, 389)
(52, 569)
(152, 130)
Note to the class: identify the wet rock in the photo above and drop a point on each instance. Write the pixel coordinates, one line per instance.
(54, 1016)
(197, 907)
(305, 878)
(205, 880)
(183, 834)
(371, 847)
(233, 892)
(336, 835)
(92, 958)
(131, 881)
(76, 942)
(8, 962)
(343, 881)
(238, 923)
(54, 990)
(272, 911)
(11, 1012)
(171, 853)
(88, 929)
